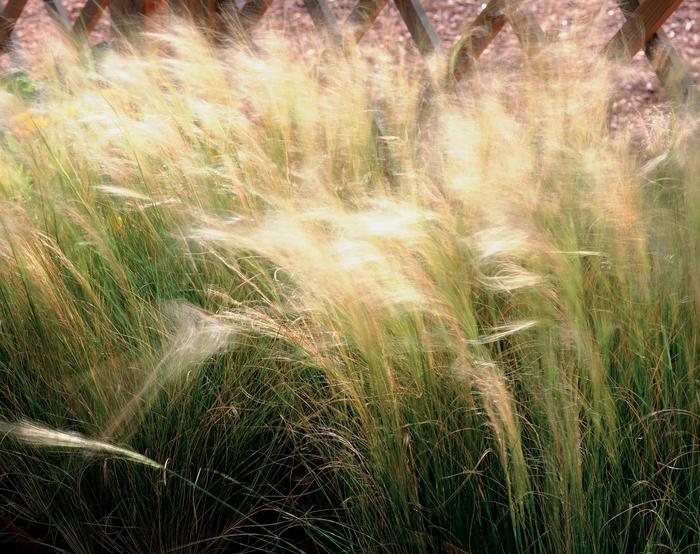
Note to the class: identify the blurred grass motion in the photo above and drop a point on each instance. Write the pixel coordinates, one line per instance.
(480, 335)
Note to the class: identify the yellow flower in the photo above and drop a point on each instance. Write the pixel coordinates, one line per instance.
(25, 124)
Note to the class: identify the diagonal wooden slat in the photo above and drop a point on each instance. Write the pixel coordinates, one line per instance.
(363, 16)
(231, 8)
(472, 43)
(232, 24)
(419, 26)
(89, 16)
(640, 27)
(201, 12)
(323, 18)
(8, 20)
(665, 59)
(211, 15)
(252, 12)
(126, 17)
(526, 28)
(16, 57)
(58, 12)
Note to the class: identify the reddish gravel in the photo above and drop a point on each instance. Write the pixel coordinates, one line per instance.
(593, 20)
(560, 19)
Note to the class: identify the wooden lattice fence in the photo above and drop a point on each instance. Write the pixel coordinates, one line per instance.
(641, 30)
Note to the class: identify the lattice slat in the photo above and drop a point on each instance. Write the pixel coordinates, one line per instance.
(15, 54)
(419, 26)
(528, 31)
(480, 33)
(363, 16)
(323, 18)
(89, 16)
(8, 20)
(58, 12)
(640, 30)
(253, 11)
(640, 27)
(664, 58)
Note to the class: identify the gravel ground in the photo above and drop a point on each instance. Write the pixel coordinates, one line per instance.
(640, 90)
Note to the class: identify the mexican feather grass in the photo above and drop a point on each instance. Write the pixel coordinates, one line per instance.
(235, 317)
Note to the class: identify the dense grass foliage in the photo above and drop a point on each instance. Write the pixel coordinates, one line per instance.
(236, 316)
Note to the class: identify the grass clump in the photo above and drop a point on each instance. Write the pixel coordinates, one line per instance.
(478, 334)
